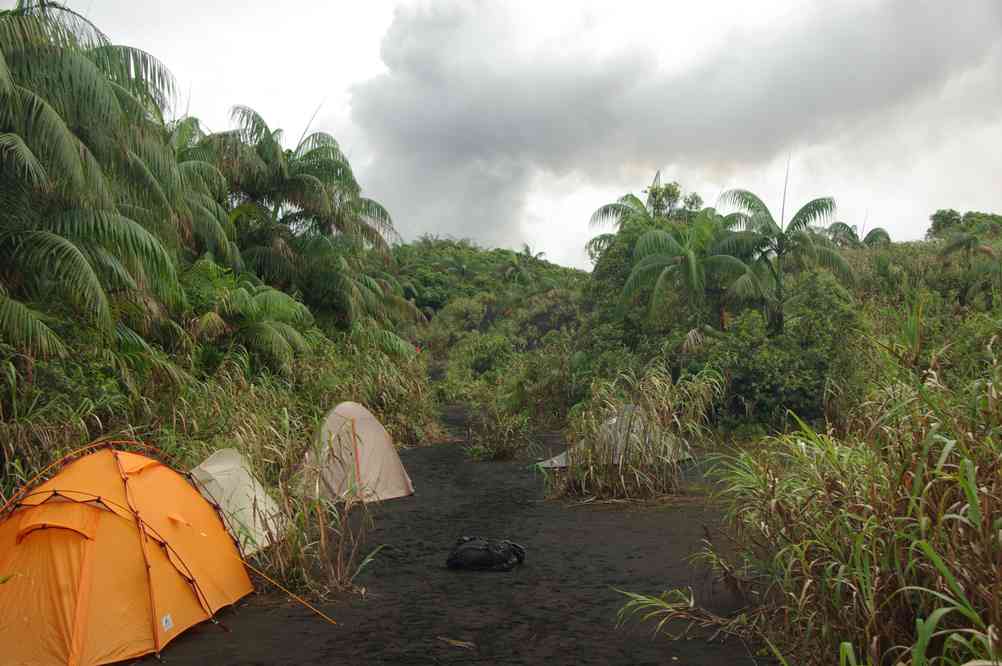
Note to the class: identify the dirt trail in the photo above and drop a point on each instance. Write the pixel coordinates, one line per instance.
(559, 608)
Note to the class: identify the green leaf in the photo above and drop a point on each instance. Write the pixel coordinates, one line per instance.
(813, 212)
(24, 328)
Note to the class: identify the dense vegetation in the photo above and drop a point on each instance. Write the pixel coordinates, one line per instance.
(201, 289)
(193, 289)
(854, 379)
(143, 257)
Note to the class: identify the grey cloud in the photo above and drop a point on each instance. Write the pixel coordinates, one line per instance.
(466, 116)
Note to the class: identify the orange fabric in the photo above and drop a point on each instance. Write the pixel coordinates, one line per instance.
(85, 580)
(133, 463)
(94, 475)
(81, 592)
(66, 515)
(120, 606)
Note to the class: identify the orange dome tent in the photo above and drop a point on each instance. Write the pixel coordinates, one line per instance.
(108, 560)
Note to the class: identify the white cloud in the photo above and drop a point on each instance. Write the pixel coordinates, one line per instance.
(511, 121)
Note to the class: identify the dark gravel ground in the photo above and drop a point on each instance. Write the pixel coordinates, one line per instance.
(558, 608)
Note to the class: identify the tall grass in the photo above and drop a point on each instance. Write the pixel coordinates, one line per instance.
(880, 546)
(632, 438)
(497, 434)
(322, 546)
(271, 419)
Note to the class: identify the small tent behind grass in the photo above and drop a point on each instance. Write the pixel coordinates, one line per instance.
(108, 560)
(252, 517)
(353, 453)
(627, 433)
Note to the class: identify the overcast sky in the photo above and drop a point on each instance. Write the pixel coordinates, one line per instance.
(510, 122)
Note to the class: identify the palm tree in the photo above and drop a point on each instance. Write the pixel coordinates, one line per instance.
(770, 245)
(598, 245)
(301, 219)
(679, 260)
(311, 185)
(203, 217)
(87, 186)
(266, 322)
(661, 204)
(514, 270)
(968, 244)
(847, 236)
(982, 275)
(528, 254)
(333, 278)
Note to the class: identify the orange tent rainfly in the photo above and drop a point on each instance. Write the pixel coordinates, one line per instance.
(111, 559)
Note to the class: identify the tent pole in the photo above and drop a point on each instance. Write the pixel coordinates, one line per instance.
(354, 444)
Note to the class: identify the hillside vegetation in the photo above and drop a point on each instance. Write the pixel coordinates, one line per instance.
(200, 289)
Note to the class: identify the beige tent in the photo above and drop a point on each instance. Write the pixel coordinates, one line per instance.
(354, 453)
(252, 517)
(624, 433)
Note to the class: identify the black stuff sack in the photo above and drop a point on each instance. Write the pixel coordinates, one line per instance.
(480, 554)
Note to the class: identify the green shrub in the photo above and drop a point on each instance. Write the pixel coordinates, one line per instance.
(769, 376)
(499, 435)
(881, 545)
(474, 367)
(540, 383)
(658, 423)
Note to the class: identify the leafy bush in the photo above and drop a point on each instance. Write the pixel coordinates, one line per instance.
(658, 422)
(881, 545)
(499, 435)
(474, 367)
(541, 383)
(771, 375)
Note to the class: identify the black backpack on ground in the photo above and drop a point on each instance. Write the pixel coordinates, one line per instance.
(482, 554)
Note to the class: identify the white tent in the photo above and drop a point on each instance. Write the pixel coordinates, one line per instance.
(353, 452)
(627, 431)
(252, 517)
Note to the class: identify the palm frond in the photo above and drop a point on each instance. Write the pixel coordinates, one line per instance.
(843, 234)
(294, 338)
(598, 245)
(13, 148)
(741, 244)
(34, 22)
(322, 141)
(725, 265)
(209, 326)
(114, 231)
(746, 202)
(639, 276)
(279, 306)
(817, 211)
(251, 125)
(959, 242)
(618, 212)
(831, 260)
(139, 72)
(268, 340)
(6, 80)
(203, 176)
(46, 255)
(657, 241)
(387, 341)
(746, 287)
(877, 236)
(26, 330)
(110, 268)
(44, 131)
